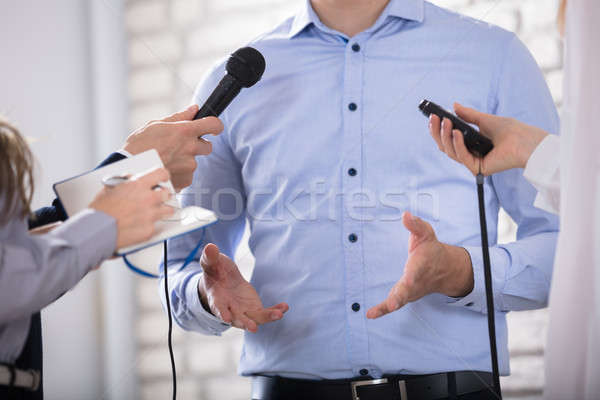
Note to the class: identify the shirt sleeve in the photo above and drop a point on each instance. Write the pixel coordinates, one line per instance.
(521, 270)
(217, 186)
(36, 270)
(543, 172)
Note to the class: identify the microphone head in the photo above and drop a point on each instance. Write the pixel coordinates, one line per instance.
(246, 65)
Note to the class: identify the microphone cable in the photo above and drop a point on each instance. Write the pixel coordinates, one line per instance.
(191, 256)
(489, 294)
(170, 316)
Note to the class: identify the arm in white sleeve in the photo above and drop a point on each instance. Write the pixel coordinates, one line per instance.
(217, 186)
(543, 172)
(521, 270)
(36, 270)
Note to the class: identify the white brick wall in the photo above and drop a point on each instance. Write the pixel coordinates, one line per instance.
(171, 44)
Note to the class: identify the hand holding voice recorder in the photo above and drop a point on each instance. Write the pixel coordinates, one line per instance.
(475, 142)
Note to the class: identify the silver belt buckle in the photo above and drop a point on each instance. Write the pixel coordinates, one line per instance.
(355, 384)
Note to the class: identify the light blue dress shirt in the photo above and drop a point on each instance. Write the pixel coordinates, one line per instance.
(324, 154)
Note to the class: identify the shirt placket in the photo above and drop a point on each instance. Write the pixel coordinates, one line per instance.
(352, 187)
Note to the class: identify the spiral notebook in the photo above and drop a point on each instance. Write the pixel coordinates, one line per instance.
(78, 192)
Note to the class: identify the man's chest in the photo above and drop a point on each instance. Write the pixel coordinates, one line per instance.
(325, 121)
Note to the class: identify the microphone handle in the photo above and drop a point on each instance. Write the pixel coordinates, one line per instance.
(219, 99)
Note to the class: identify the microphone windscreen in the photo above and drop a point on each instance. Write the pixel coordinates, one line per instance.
(246, 65)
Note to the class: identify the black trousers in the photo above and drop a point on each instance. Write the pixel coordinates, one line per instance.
(30, 358)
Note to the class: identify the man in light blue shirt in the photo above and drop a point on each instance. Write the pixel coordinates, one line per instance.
(322, 157)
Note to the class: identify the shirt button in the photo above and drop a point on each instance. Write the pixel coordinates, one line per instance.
(352, 237)
(355, 307)
(364, 372)
(352, 172)
(356, 47)
(352, 106)
(469, 304)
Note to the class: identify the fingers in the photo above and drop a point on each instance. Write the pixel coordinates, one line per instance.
(203, 126)
(435, 130)
(252, 319)
(446, 134)
(243, 322)
(385, 307)
(396, 299)
(462, 154)
(185, 115)
(165, 211)
(452, 141)
(153, 178)
(202, 147)
(159, 195)
(266, 315)
(284, 307)
(224, 313)
(468, 114)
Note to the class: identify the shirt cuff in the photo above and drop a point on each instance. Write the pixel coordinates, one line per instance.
(124, 153)
(538, 170)
(542, 171)
(476, 300)
(93, 233)
(208, 321)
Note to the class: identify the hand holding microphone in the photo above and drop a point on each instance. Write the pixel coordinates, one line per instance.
(178, 140)
(513, 141)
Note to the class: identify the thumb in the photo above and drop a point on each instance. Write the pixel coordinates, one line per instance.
(469, 115)
(416, 225)
(185, 115)
(210, 257)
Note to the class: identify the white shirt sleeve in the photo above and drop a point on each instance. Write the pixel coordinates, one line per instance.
(543, 172)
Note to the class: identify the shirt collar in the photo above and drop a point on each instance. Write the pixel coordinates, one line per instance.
(412, 10)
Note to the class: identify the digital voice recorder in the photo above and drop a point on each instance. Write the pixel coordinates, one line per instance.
(475, 142)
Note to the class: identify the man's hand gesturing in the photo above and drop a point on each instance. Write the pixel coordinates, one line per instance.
(226, 294)
(432, 267)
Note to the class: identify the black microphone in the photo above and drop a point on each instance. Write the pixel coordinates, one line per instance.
(244, 68)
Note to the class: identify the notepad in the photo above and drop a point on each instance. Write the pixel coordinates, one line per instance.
(78, 192)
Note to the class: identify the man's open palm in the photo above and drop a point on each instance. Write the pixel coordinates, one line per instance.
(432, 267)
(229, 296)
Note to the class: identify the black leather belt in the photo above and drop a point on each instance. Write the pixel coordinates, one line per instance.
(396, 387)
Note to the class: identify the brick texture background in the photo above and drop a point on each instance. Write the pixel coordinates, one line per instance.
(171, 43)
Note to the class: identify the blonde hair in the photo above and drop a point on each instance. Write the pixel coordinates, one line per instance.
(16, 172)
(562, 14)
